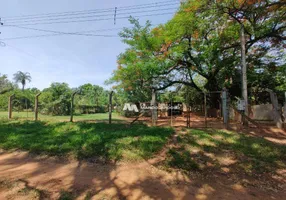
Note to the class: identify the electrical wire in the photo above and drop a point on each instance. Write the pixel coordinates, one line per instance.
(94, 10)
(100, 19)
(59, 33)
(56, 33)
(93, 16)
(84, 13)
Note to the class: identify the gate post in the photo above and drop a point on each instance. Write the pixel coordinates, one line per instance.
(10, 106)
(36, 106)
(225, 108)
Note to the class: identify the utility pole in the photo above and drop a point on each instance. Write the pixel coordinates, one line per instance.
(1, 24)
(244, 70)
(1, 43)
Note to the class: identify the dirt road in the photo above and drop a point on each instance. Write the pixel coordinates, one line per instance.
(51, 178)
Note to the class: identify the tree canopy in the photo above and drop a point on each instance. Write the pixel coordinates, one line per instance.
(202, 40)
(5, 84)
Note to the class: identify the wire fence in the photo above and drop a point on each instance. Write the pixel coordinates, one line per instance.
(205, 112)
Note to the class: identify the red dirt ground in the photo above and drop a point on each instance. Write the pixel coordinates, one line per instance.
(118, 181)
(132, 181)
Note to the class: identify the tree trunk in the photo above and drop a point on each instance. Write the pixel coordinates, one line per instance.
(243, 69)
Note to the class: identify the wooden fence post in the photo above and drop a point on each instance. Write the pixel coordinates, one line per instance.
(36, 106)
(72, 105)
(110, 107)
(10, 106)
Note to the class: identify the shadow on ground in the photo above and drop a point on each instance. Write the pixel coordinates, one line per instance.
(199, 164)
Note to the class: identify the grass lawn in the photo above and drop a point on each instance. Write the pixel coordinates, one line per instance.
(84, 140)
(30, 116)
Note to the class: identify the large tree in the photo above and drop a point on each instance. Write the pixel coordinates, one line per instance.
(202, 40)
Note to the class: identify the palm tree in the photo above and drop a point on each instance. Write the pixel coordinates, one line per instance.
(22, 77)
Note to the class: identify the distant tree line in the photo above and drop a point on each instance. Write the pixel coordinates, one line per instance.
(54, 100)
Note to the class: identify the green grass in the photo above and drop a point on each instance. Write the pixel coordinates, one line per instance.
(89, 117)
(215, 149)
(84, 140)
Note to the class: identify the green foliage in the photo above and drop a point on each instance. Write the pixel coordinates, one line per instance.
(136, 66)
(24, 99)
(203, 40)
(185, 95)
(56, 99)
(84, 140)
(91, 96)
(5, 84)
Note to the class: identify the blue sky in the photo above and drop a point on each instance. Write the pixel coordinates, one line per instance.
(72, 59)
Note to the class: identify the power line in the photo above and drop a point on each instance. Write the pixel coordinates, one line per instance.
(93, 16)
(59, 33)
(111, 11)
(32, 36)
(102, 19)
(56, 34)
(94, 10)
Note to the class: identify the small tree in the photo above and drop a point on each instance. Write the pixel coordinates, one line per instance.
(5, 84)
